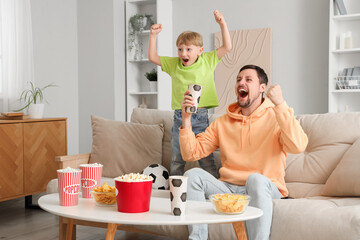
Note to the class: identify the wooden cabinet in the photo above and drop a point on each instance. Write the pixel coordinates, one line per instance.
(27, 155)
(11, 160)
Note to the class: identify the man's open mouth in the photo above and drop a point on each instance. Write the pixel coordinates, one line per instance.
(243, 93)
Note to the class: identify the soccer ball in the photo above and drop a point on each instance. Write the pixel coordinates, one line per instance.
(160, 175)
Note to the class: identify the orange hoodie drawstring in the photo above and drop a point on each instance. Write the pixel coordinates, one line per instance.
(242, 133)
(250, 131)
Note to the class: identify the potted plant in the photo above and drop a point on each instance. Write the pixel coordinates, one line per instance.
(138, 22)
(33, 99)
(149, 21)
(152, 77)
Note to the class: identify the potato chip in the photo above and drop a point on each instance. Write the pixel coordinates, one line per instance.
(104, 188)
(230, 203)
(104, 194)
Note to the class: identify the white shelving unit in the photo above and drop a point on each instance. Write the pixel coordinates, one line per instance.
(342, 95)
(137, 86)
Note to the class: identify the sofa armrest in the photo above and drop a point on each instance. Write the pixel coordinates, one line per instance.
(72, 161)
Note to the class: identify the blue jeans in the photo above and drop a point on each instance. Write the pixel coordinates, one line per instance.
(199, 122)
(201, 185)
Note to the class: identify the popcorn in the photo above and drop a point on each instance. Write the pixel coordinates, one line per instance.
(134, 177)
(68, 169)
(91, 165)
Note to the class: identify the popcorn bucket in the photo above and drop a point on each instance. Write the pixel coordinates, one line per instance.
(69, 187)
(133, 197)
(90, 178)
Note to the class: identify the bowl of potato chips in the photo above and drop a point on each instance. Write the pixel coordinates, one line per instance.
(104, 195)
(229, 203)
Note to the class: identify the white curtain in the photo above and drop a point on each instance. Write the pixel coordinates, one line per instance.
(17, 51)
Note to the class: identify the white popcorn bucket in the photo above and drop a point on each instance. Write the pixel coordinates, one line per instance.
(90, 178)
(178, 191)
(69, 187)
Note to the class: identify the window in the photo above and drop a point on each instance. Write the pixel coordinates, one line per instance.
(1, 55)
(16, 61)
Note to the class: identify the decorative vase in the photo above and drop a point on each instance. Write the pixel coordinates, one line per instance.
(36, 110)
(153, 86)
(143, 104)
(140, 23)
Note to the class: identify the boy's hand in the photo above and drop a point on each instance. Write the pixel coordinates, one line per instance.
(219, 18)
(274, 93)
(155, 29)
(225, 35)
(152, 50)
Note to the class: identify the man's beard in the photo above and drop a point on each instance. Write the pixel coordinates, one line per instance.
(248, 102)
(245, 105)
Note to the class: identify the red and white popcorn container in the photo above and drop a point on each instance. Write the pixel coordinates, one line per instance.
(69, 186)
(90, 178)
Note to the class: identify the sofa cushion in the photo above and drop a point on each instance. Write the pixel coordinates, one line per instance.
(124, 147)
(316, 218)
(330, 136)
(153, 116)
(344, 180)
(300, 190)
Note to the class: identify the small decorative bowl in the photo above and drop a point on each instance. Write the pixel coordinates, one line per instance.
(104, 198)
(230, 203)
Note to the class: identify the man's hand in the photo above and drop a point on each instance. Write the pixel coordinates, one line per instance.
(188, 101)
(155, 29)
(274, 93)
(219, 18)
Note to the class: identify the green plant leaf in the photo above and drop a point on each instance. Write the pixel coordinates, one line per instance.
(33, 95)
(152, 75)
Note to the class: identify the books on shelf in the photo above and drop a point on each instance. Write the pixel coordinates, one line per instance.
(350, 72)
(341, 7)
(349, 78)
(356, 71)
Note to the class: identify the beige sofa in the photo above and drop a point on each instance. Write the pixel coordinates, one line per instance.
(324, 180)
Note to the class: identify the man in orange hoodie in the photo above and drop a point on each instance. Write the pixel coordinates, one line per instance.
(254, 138)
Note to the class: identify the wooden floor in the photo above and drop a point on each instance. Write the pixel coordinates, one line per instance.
(18, 223)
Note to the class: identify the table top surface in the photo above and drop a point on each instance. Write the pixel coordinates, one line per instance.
(159, 213)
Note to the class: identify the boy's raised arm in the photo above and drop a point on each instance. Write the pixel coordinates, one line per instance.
(152, 51)
(226, 40)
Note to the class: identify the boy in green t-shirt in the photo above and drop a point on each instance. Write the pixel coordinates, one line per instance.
(192, 66)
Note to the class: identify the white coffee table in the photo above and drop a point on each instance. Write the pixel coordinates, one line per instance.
(159, 214)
